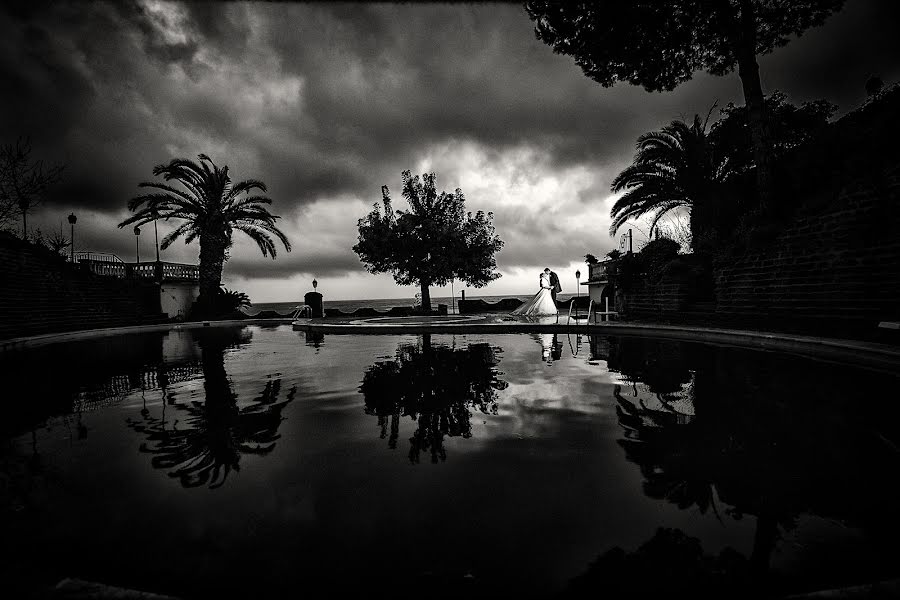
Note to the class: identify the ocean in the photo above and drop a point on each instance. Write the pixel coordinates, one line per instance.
(380, 304)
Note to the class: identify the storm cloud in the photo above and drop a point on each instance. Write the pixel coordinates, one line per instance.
(328, 102)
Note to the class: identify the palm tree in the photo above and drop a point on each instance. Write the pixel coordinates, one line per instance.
(673, 168)
(212, 207)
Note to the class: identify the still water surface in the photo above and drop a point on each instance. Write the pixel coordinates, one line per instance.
(261, 461)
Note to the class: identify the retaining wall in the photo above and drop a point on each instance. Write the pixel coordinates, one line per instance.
(42, 293)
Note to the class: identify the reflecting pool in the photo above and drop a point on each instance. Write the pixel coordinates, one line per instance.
(261, 462)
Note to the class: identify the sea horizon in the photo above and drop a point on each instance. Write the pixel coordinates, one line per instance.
(381, 304)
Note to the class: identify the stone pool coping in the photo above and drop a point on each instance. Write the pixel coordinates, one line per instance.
(884, 356)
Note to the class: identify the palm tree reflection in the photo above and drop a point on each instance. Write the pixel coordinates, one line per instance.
(768, 435)
(218, 430)
(435, 386)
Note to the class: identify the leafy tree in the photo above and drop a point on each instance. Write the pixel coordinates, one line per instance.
(676, 167)
(660, 44)
(432, 243)
(23, 181)
(212, 208)
(790, 127)
(590, 259)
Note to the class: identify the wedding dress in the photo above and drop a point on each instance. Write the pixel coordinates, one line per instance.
(541, 304)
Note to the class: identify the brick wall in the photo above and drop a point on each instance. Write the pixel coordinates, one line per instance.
(41, 293)
(647, 299)
(834, 266)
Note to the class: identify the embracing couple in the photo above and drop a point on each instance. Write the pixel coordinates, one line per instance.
(544, 302)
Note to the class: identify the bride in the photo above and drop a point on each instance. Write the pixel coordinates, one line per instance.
(542, 303)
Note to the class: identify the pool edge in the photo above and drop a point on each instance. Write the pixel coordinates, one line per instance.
(867, 353)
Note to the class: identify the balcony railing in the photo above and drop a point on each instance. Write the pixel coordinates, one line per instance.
(150, 271)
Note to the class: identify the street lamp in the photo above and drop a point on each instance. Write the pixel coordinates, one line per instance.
(156, 235)
(72, 220)
(578, 290)
(315, 284)
(137, 248)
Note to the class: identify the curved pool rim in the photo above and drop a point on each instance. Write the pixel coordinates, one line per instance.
(883, 357)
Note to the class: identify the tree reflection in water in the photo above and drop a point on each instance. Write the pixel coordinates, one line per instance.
(218, 431)
(769, 435)
(434, 386)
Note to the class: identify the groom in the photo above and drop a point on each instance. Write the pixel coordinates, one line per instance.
(555, 288)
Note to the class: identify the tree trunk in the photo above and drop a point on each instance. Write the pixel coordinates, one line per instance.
(748, 70)
(24, 226)
(763, 545)
(212, 260)
(426, 296)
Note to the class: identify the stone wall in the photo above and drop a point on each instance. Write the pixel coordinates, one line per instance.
(836, 269)
(42, 293)
(653, 299)
(834, 264)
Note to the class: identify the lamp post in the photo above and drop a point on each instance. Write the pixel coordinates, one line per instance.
(315, 284)
(137, 247)
(578, 290)
(156, 237)
(72, 220)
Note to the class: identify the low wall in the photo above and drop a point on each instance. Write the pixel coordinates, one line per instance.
(42, 293)
(396, 311)
(646, 299)
(468, 307)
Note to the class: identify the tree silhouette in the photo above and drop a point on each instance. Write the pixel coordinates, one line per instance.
(432, 243)
(212, 208)
(790, 126)
(217, 432)
(436, 386)
(23, 181)
(679, 567)
(660, 45)
(673, 168)
(760, 437)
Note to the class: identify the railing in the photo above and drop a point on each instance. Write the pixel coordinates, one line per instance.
(98, 256)
(178, 271)
(154, 271)
(103, 267)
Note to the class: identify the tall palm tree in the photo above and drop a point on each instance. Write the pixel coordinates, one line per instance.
(673, 168)
(212, 207)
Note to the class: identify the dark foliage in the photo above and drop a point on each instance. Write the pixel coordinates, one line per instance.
(790, 126)
(23, 182)
(659, 45)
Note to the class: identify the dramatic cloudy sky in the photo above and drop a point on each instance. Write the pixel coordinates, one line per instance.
(328, 102)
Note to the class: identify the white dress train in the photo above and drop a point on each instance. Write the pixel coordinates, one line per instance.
(540, 304)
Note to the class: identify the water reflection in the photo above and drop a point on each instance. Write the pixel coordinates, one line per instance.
(763, 434)
(204, 441)
(680, 569)
(434, 385)
(551, 347)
